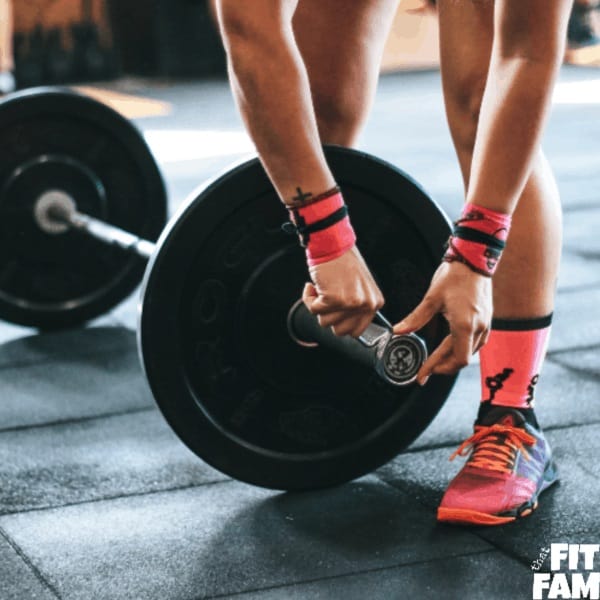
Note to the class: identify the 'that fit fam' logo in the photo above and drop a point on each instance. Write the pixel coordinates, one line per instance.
(563, 581)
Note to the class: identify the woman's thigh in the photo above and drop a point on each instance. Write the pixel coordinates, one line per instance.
(342, 43)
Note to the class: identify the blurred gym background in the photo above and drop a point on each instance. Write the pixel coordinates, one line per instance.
(67, 41)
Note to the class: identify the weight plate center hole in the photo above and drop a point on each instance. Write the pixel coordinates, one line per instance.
(51, 212)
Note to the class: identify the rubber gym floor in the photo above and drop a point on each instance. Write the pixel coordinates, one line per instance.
(99, 499)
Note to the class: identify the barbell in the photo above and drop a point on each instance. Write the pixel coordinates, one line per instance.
(239, 368)
(58, 141)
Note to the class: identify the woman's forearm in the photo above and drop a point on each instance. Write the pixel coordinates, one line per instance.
(513, 112)
(271, 87)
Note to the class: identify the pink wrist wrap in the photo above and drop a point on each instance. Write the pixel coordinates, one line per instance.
(478, 239)
(324, 229)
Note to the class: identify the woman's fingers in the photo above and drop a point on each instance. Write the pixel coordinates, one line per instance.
(438, 356)
(453, 354)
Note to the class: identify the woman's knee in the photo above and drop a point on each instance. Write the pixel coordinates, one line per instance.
(262, 25)
(340, 115)
(463, 106)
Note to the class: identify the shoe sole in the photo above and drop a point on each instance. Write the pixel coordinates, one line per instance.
(465, 516)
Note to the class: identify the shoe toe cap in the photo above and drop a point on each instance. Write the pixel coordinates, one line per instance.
(490, 495)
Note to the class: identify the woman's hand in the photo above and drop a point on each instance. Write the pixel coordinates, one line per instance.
(343, 294)
(465, 299)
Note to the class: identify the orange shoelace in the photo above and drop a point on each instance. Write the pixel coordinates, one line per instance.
(495, 447)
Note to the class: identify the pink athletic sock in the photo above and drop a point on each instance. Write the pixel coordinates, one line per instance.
(512, 359)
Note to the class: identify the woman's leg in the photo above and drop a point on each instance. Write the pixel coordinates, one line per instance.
(524, 283)
(523, 290)
(342, 43)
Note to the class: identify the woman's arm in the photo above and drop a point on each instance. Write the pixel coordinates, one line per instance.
(272, 89)
(528, 49)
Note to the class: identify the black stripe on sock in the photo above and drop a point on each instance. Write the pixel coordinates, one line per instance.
(522, 324)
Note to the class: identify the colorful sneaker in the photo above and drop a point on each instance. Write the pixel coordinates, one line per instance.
(510, 464)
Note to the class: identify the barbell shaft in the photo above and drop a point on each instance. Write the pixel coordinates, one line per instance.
(105, 232)
(111, 235)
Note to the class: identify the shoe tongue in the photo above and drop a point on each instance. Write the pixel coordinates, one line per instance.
(502, 415)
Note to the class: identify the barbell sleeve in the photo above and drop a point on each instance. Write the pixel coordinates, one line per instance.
(395, 358)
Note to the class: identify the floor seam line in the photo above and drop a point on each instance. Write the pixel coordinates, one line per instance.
(507, 552)
(584, 468)
(111, 498)
(33, 568)
(590, 375)
(405, 490)
(57, 358)
(569, 349)
(75, 421)
(443, 445)
(343, 575)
